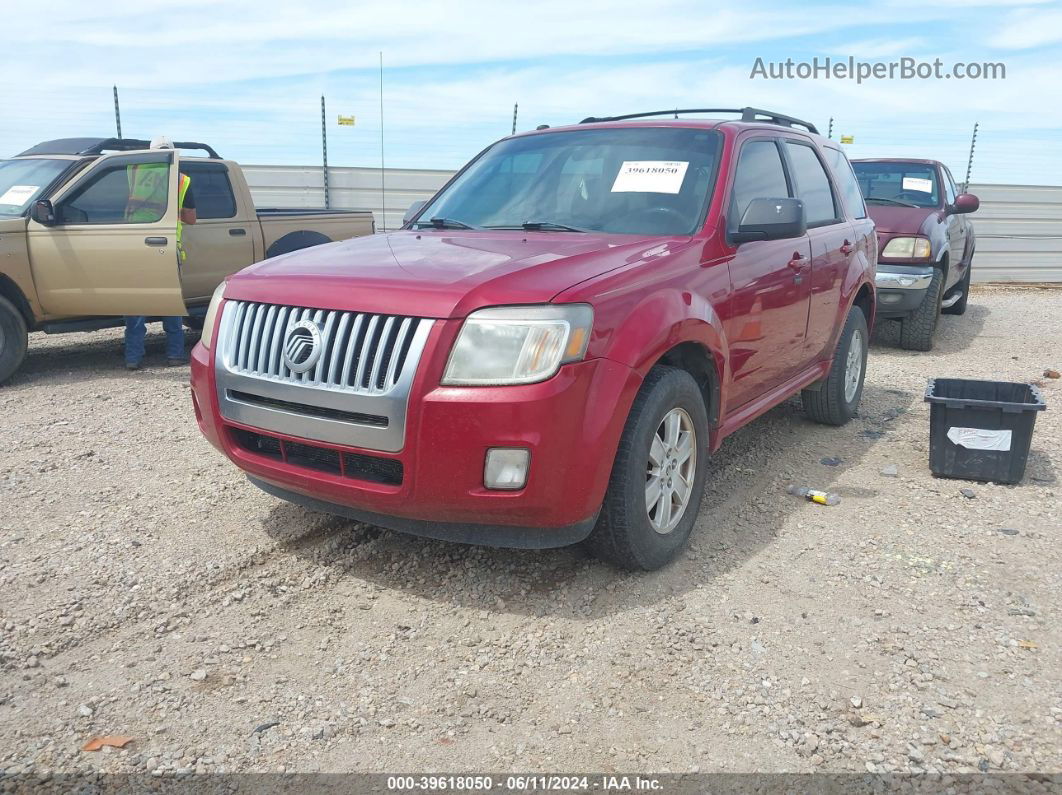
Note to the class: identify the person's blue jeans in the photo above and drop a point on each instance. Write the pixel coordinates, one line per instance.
(135, 329)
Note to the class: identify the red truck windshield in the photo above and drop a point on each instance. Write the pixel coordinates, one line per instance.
(645, 180)
(899, 183)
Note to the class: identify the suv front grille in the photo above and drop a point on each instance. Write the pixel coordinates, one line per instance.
(357, 466)
(360, 353)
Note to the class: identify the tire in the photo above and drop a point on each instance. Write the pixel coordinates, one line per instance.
(625, 534)
(959, 307)
(917, 329)
(836, 400)
(14, 339)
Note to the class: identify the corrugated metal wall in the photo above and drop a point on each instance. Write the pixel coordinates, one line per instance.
(1019, 233)
(1019, 227)
(349, 188)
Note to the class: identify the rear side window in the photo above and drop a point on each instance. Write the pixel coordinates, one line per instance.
(812, 185)
(212, 190)
(759, 175)
(846, 181)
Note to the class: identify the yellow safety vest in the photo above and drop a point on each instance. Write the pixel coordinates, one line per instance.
(148, 193)
(148, 189)
(183, 183)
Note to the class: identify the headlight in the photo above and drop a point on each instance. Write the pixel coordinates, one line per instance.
(518, 344)
(208, 319)
(907, 248)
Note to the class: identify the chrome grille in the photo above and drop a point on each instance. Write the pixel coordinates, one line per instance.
(360, 353)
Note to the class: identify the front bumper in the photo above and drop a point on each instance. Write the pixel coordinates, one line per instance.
(570, 423)
(901, 288)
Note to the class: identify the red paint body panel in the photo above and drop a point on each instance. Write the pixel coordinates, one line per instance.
(767, 326)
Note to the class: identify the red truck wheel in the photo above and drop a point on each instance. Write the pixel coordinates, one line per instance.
(657, 480)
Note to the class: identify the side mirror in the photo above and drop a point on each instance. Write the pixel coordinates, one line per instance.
(964, 203)
(42, 212)
(771, 219)
(414, 208)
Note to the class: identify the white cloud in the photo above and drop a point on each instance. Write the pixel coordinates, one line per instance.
(247, 77)
(1028, 28)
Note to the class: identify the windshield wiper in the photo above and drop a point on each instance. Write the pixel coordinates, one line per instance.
(539, 226)
(897, 202)
(447, 223)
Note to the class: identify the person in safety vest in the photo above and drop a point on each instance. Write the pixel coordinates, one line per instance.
(148, 190)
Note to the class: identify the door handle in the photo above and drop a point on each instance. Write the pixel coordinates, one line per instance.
(798, 262)
(847, 248)
(156, 241)
(237, 232)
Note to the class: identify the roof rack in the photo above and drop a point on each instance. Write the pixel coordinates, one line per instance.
(97, 146)
(747, 114)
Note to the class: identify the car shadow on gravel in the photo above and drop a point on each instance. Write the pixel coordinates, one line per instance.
(86, 359)
(954, 332)
(745, 504)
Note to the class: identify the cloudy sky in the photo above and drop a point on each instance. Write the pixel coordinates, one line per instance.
(247, 75)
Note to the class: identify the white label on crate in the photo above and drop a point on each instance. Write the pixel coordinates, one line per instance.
(650, 176)
(979, 438)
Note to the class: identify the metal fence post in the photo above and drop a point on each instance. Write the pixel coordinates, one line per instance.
(324, 155)
(969, 162)
(117, 113)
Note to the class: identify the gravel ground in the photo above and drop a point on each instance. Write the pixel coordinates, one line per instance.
(150, 591)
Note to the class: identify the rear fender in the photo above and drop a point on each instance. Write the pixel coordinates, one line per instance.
(860, 272)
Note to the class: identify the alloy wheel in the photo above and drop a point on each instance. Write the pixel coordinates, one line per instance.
(670, 470)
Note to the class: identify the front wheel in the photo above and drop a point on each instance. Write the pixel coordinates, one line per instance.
(837, 398)
(657, 480)
(918, 328)
(14, 339)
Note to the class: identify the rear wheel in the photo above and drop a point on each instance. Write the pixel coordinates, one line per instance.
(918, 328)
(836, 400)
(13, 339)
(657, 480)
(959, 307)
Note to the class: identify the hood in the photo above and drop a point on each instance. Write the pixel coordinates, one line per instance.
(439, 273)
(903, 220)
(12, 225)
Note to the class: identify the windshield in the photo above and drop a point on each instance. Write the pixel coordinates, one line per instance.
(21, 181)
(899, 184)
(644, 181)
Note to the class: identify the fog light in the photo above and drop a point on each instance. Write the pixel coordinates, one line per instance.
(890, 298)
(506, 468)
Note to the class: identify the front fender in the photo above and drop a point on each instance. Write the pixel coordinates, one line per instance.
(661, 321)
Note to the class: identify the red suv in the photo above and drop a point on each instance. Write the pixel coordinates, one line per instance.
(550, 348)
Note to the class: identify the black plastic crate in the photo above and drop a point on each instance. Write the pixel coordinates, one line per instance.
(981, 430)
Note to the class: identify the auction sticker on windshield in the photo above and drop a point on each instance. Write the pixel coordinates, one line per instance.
(18, 194)
(650, 176)
(918, 184)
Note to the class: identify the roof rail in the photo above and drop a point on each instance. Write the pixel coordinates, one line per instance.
(747, 114)
(97, 146)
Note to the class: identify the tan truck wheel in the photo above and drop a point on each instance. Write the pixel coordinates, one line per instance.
(13, 339)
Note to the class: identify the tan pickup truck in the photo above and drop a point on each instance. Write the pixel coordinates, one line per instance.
(70, 260)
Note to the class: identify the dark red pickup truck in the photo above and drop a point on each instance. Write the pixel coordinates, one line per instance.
(550, 349)
(925, 243)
